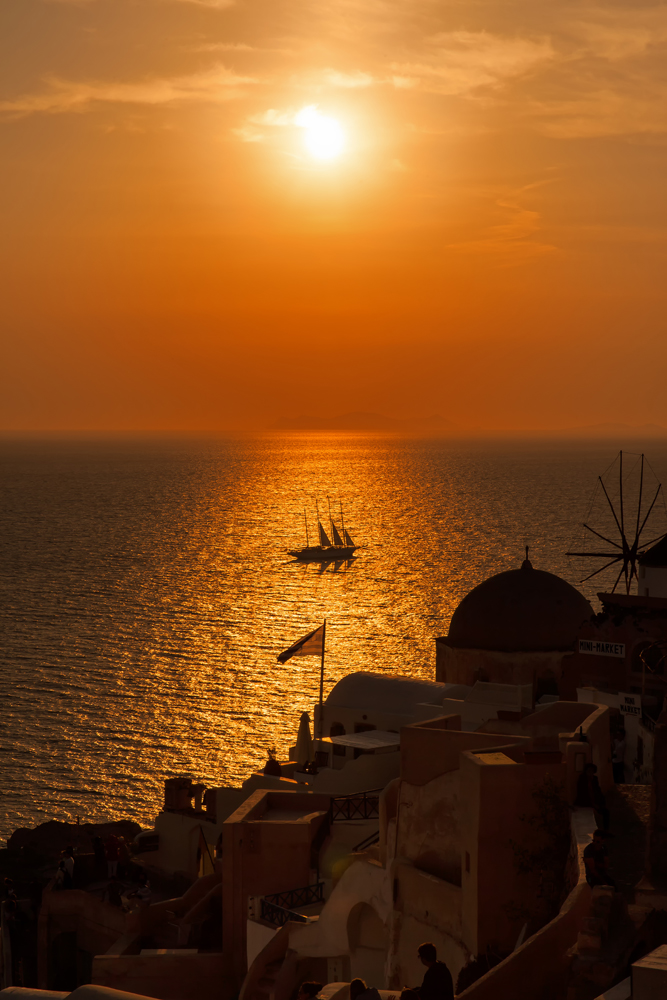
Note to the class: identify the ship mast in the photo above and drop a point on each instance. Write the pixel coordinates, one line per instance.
(331, 518)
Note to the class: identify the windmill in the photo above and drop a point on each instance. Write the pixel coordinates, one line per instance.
(626, 509)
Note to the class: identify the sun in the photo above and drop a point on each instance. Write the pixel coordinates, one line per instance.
(324, 138)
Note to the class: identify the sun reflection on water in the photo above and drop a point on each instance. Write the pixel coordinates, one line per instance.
(149, 592)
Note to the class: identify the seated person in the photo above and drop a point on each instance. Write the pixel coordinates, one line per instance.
(437, 983)
(272, 766)
(359, 990)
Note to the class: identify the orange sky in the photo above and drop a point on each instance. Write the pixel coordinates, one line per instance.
(489, 246)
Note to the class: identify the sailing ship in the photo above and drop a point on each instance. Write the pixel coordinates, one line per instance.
(340, 546)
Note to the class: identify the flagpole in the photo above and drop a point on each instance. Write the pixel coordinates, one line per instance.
(320, 721)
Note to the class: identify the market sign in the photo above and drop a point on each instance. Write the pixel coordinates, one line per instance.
(630, 704)
(596, 648)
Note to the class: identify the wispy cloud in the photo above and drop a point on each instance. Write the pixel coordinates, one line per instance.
(603, 112)
(461, 61)
(349, 81)
(219, 4)
(608, 78)
(248, 133)
(511, 241)
(215, 84)
(223, 47)
(618, 34)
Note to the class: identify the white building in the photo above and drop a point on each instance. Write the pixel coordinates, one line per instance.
(652, 580)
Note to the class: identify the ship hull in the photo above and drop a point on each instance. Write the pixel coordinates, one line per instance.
(323, 553)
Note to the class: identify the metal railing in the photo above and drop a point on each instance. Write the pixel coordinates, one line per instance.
(362, 805)
(278, 907)
(368, 842)
(297, 897)
(278, 915)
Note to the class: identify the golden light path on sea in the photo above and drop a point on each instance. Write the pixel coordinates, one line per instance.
(148, 592)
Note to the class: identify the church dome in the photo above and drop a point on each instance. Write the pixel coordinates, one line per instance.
(519, 611)
(384, 692)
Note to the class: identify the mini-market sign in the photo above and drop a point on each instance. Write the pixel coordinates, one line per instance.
(597, 648)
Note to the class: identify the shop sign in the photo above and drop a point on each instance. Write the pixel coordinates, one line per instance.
(597, 648)
(630, 704)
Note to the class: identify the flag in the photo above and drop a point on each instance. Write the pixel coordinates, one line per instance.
(311, 645)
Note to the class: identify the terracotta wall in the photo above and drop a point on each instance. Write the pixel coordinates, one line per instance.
(537, 970)
(429, 750)
(97, 925)
(172, 976)
(428, 826)
(425, 908)
(264, 854)
(558, 725)
(465, 666)
(494, 810)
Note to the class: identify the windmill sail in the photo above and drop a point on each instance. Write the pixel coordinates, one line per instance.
(337, 540)
(324, 539)
(348, 540)
(624, 530)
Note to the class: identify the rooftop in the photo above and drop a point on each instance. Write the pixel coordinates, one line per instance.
(497, 757)
(373, 739)
(524, 609)
(384, 693)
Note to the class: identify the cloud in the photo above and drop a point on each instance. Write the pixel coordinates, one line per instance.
(215, 84)
(509, 241)
(603, 112)
(617, 35)
(271, 118)
(216, 4)
(349, 81)
(224, 47)
(608, 79)
(404, 82)
(458, 62)
(247, 133)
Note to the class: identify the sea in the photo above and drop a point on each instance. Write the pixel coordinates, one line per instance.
(146, 589)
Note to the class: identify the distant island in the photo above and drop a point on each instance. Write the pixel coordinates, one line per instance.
(365, 421)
